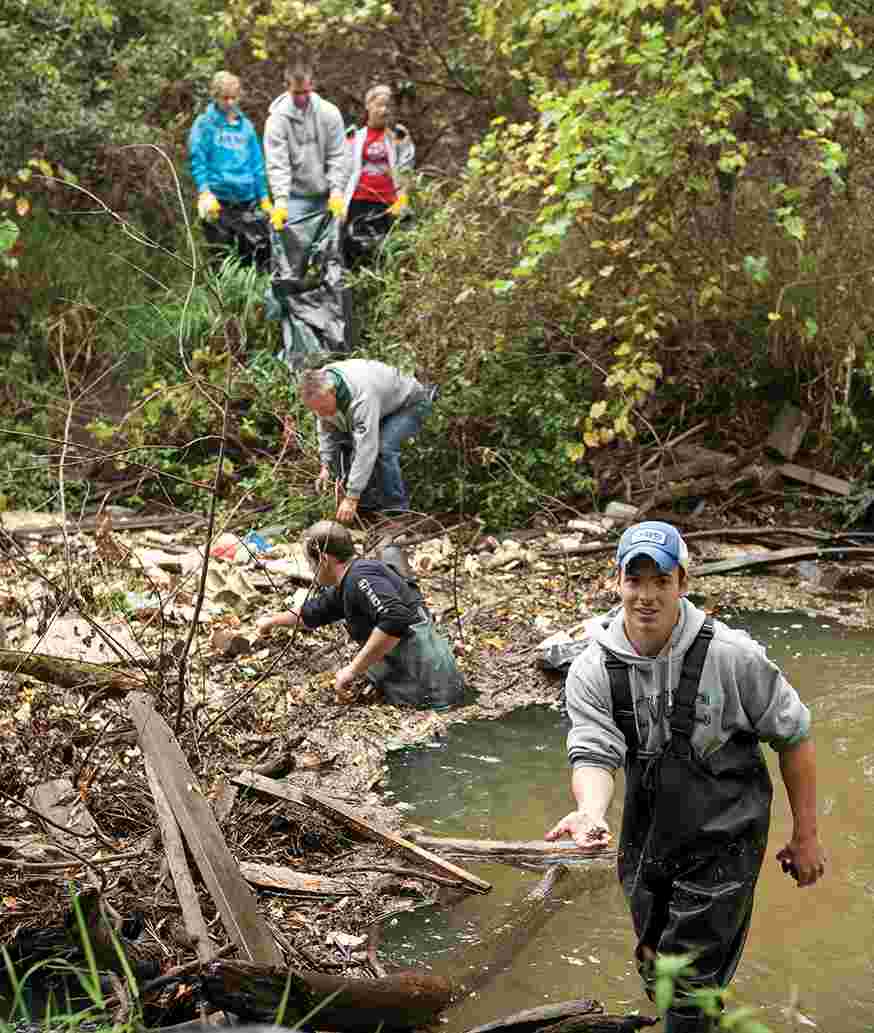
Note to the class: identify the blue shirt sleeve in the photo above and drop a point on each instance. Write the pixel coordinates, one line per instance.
(199, 146)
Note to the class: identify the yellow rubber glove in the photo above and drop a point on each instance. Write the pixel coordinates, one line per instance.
(336, 206)
(208, 206)
(266, 206)
(279, 217)
(401, 204)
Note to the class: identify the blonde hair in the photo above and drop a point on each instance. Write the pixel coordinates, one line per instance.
(222, 81)
(375, 91)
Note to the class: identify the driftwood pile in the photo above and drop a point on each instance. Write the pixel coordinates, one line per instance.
(680, 471)
(259, 984)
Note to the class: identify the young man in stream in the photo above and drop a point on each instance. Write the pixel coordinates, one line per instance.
(683, 701)
(400, 650)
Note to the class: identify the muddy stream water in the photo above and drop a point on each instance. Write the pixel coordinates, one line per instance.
(508, 779)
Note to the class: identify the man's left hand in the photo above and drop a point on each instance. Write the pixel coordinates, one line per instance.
(347, 510)
(803, 859)
(343, 682)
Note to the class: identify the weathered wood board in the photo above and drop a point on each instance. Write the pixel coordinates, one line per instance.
(279, 877)
(767, 559)
(235, 901)
(174, 851)
(389, 839)
(271, 786)
(835, 485)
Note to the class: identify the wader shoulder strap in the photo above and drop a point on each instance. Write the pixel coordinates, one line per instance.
(683, 717)
(623, 704)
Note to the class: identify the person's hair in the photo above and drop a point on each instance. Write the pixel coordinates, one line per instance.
(298, 67)
(315, 382)
(374, 91)
(328, 538)
(222, 81)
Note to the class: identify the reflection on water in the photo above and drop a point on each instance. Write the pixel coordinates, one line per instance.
(509, 780)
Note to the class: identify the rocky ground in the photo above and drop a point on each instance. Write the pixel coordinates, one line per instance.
(129, 597)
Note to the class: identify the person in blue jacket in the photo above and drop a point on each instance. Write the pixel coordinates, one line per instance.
(227, 166)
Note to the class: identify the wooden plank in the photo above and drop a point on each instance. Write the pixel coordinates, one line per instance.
(271, 786)
(59, 801)
(236, 903)
(278, 877)
(535, 849)
(768, 559)
(389, 839)
(835, 485)
(174, 851)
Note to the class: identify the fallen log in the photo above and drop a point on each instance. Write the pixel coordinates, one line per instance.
(71, 674)
(401, 1001)
(601, 1024)
(769, 559)
(476, 965)
(532, 1019)
(566, 1017)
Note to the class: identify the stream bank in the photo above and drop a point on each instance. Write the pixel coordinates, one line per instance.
(289, 725)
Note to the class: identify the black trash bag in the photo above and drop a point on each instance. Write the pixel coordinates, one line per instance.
(245, 228)
(364, 235)
(307, 292)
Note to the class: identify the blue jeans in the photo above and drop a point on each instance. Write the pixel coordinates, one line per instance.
(299, 208)
(386, 488)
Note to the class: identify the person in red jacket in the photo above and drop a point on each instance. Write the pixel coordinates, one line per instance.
(379, 160)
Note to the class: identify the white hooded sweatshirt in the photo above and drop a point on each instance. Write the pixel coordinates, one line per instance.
(740, 690)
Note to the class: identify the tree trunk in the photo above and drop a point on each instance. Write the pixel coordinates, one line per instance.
(475, 965)
(401, 1001)
(70, 674)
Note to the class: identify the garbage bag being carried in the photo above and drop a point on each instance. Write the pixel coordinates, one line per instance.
(307, 292)
(244, 227)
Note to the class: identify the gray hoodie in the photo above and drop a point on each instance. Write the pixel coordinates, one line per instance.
(305, 150)
(740, 691)
(376, 391)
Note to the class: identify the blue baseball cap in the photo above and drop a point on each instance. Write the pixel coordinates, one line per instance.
(653, 538)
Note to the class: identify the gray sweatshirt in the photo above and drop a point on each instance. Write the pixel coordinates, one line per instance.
(375, 391)
(305, 150)
(740, 691)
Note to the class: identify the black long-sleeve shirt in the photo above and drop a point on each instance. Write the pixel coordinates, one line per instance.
(371, 595)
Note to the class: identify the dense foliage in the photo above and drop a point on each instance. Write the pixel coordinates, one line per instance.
(625, 212)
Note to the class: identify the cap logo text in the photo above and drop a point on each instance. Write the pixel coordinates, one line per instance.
(649, 535)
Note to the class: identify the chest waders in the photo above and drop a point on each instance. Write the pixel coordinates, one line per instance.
(420, 671)
(694, 832)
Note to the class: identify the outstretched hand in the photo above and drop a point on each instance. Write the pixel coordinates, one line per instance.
(584, 830)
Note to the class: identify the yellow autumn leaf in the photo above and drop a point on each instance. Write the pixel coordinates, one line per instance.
(22, 206)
